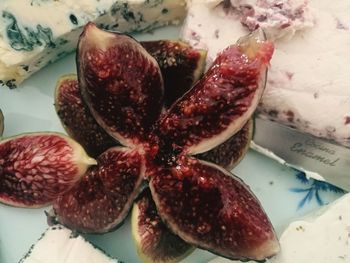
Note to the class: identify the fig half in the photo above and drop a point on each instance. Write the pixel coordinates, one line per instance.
(219, 105)
(76, 118)
(102, 199)
(36, 167)
(154, 241)
(207, 206)
(120, 82)
(1, 123)
(181, 66)
(229, 153)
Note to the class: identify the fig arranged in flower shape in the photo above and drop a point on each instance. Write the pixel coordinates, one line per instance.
(127, 102)
(229, 153)
(181, 67)
(207, 206)
(1, 123)
(101, 200)
(77, 120)
(36, 167)
(125, 97)
(219, 104)
(155, 243)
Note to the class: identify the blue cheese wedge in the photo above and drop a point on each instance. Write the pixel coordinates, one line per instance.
(323, 237)
(59, 245)
(34, 33)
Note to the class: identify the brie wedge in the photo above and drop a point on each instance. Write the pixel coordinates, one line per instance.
(60, 245)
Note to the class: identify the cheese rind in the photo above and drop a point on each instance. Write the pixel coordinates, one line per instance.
(308, 85)
(59, 245)
(34, 33)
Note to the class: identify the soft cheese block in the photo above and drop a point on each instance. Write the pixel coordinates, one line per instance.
(60, 245)
(308, 86)
(323, 237)
(34, 33)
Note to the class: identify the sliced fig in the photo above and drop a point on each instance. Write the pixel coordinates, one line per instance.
(231, 152)
(1, 123)
(201, 203)
(222, 101)
(120, 82)
(102, 199)
(36, 167)
(77, 119)
(207, 206)
(154, 241)
(181, 66)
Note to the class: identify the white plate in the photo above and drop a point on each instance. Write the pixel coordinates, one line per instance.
(284, 193)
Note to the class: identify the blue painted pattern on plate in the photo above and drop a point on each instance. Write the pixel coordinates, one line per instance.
(312, 189)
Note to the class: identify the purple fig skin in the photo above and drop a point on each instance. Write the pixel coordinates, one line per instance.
(154, 241)
(37, 167)
(209, 207)
(221, 102)
(77, 119)
(100, 202)
(121, 84)
(231, 152)
(181, 66)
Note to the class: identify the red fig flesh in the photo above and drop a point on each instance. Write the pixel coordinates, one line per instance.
(77, 119)
(36, 167)
(201, 203)
(208, 207)
(231, 152)
(154, 241)
(102, 199)
(120, 82)
(222, 101)
(181, 66)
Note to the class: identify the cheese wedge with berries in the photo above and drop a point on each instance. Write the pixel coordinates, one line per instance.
(308, 86)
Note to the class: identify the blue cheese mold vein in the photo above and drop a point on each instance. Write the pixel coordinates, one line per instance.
(34, 33)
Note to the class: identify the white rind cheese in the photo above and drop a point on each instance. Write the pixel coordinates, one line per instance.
(34, 33)
(308, 85)
(59, 245)
(323, 237)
